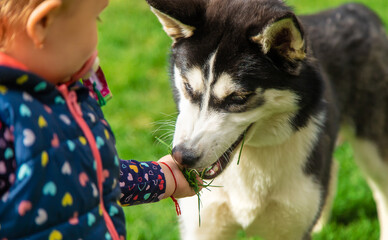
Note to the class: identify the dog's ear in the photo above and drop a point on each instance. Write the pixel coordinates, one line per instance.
(179, 18)
(174, 28)
(283, 41)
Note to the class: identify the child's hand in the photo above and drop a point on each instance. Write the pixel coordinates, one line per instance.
(182, 189)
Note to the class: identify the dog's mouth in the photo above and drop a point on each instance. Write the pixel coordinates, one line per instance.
(218, 167)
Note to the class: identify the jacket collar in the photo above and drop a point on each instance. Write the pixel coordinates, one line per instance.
(8, 61)
(36, 86)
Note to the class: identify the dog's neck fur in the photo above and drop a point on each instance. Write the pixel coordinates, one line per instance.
(258, 181)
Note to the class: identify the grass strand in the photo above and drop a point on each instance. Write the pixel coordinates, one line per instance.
(192, 176)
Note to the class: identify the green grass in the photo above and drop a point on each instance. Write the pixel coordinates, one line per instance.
(134, 54)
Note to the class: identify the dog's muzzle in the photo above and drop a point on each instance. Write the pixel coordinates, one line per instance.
(188, 158)
(185, 156)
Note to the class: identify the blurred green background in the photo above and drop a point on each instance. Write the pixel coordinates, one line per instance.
(134, 55)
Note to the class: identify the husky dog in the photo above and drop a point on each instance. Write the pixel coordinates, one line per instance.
(250, 70)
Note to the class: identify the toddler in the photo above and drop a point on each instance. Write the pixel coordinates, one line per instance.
(60, 175)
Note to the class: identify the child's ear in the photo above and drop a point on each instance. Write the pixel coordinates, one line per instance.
(40, 19)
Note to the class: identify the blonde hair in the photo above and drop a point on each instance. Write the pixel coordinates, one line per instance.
(14, 15)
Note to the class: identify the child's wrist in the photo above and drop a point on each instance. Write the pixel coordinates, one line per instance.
(171, 183)
(178, 209)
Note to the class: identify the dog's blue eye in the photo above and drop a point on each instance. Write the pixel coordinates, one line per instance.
(189, 89)
(239, 99)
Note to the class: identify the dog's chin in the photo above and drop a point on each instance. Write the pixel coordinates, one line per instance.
(219, 166)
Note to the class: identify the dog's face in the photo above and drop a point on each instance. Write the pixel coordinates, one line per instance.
(235, 68)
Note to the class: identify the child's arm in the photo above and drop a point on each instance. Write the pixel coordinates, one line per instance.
(7, 159)
(146, 182)
(141, 182)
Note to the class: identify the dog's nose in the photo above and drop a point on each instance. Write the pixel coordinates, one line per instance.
(185, 156)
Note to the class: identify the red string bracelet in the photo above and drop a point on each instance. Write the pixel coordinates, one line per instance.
(177, 208)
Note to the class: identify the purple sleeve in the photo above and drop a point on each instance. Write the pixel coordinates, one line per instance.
(7, 159)
(141, 182)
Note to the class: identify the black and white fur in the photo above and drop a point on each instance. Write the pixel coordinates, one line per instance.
(252, 70)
